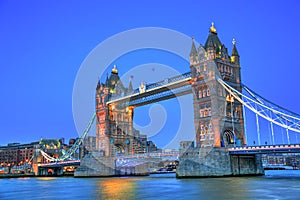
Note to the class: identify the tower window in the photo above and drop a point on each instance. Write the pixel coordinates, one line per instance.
(205, 113)
(201, 113)
(200, 94)
(204, 67)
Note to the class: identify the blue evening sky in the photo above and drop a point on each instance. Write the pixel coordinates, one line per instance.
(43, 44)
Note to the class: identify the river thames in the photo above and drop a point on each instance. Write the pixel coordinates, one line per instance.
(274, 185)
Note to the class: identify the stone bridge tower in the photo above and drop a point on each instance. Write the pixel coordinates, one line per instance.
(218, 118)
(114, 130)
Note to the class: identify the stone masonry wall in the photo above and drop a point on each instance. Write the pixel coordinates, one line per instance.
(204, 162)
(212, 162)
(96, 166)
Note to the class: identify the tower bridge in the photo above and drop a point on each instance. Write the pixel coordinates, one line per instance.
(115, 103)
(219, 101)
(218, 119)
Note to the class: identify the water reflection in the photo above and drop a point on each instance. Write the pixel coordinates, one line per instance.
(117, 188)
(160, 187)
(46, 178)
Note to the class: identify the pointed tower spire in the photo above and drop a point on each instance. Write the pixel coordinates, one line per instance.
(234, 49)
(235, 57)
(130, 88)
(193, 49)
(193, 53)
(210, 42)
(106, 81)
(98, 84)
(213, 41)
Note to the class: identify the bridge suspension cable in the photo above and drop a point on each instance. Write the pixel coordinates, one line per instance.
(263, 100)
(265, 109)
(74, 147)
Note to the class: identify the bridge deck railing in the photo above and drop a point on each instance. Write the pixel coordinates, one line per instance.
(267, 146)
(291, 148)
(153, 85)
(59, 163)
(148, 155)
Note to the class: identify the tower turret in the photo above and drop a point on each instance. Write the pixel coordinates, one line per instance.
(115, 84)
(98, 92)
(235, 57)
(106, 81)
(130, 88)
(98, 85)
(213, 44)
(193, 53)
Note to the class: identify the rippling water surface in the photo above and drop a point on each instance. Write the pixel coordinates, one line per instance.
(275, 185)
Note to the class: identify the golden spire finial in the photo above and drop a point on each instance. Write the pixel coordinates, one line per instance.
(114, 70)
(212, 28)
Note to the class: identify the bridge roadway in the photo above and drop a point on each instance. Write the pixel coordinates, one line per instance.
(140, 158)
(119, 159)
(266, 149)
(60, 163)
(134, 160)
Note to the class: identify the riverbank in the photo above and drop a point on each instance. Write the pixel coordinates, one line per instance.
(32, 175)
(17, 175)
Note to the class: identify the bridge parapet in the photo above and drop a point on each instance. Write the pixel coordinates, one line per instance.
(157, 84)
(283, 148)
(179, 77)
(60, 163)
(148, 155)
(140, 159)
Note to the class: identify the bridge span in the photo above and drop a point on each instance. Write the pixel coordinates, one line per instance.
(266, 149)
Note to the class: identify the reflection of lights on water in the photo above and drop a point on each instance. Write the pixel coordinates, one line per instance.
(117, 188)
(46, 178)
(23, 178)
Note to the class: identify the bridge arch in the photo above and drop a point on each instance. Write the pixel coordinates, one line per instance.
(119, 149)
(228, 138)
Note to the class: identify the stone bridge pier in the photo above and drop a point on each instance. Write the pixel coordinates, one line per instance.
(217, 162)
(101, 166)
